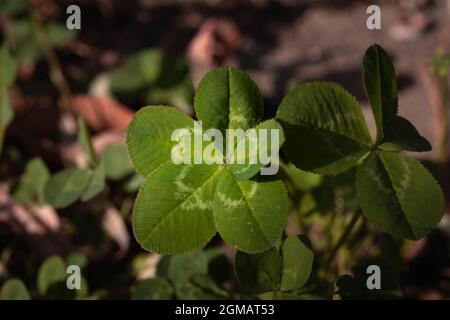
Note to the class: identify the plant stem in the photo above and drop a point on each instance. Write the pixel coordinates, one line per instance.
(343, 238)
(56, 73)
(68, 123)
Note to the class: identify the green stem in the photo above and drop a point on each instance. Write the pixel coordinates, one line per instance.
(56, 74)
(343, 238)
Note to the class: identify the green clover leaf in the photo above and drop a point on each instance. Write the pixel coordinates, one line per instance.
(326, 133)
(399, 195)
(325, 128)
(14, 289)
(380, 83)
(283, 270)
(180, 206)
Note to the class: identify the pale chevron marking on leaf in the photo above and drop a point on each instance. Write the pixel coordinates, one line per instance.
(241, 170)
(168, 215)
(386, 190)
(252, 191)
(252, 212)
(177, 157)
(405, 182)
(228, 202)
(182, 188)
(378, 181)
(199, 203)
(238, 118)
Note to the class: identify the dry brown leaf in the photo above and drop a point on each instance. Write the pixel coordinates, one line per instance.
(212, 46)
(33, 219)
(410, 27)
(102, 113)
(151, 265)
(39, 224)
(114, 225)
(414, 249)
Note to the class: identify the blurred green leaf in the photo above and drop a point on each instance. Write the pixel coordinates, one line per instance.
(51, 276)
(7, 68)
(133, 183)
(27, 48)
(13, 7)
(139, 70)
(96, 182)
(84, 138)
(183, 266)
(302, 180)
(7, 77)
(59, 34)
(77, 259)
(202, 287)
(82, 293)
(179, 95)
(116, 162)
(6, 110)
(162, 269)
(297, 262)
(189, 274)
(259, 273)
(14, 289)
(66, 187)
(181, 269)
(160, 78)
(153, 289)
(32, 183)
(272, 271)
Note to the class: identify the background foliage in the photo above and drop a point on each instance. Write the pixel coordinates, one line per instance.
(349, 193)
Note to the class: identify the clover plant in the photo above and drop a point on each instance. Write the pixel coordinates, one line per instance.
(326, 133)
(180, 207)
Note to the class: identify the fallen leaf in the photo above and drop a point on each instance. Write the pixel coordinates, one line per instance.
(212, 46)
(114, 225)
(102, 113)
